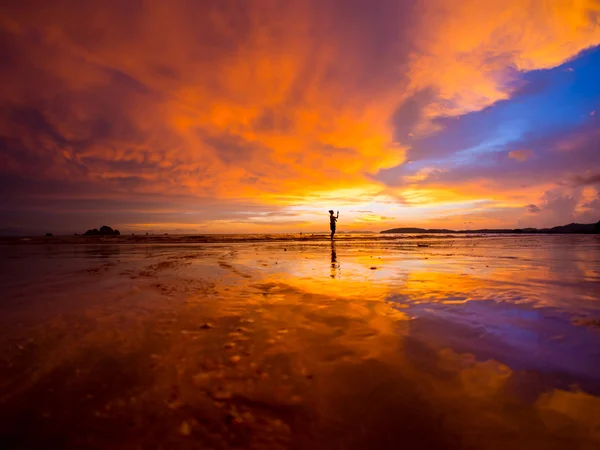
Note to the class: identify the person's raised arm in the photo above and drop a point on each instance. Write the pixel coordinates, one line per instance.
(338, 214)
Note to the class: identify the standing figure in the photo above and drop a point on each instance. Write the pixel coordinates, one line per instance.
(332, 221)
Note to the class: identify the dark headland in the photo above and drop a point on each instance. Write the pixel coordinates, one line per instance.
(103, 231)
(572, 228)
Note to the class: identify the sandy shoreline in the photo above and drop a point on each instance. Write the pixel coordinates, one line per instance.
(245, 238)
(363, 343)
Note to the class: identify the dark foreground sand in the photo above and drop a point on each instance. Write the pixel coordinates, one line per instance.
(469, 343)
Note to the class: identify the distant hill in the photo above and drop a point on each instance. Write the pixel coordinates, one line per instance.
(572, 228)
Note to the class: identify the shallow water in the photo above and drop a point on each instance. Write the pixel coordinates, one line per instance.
(479, 342)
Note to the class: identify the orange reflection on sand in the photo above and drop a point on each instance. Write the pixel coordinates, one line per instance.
(441, 287)
(234, 345)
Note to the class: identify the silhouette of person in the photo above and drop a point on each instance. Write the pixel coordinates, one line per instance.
(332, 221)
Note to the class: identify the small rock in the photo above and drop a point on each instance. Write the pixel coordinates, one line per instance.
(229, 345)
(235, 359)
(373, 268)
(206, 326)
(185, 429)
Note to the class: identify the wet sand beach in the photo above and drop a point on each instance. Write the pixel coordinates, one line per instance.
(297, 342)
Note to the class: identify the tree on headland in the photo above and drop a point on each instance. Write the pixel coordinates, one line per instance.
(103, 231)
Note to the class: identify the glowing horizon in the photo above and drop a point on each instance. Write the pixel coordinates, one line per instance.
(259, 116)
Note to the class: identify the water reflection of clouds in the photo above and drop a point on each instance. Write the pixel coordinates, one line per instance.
(456, 338)
(487, 304)
(495, 269)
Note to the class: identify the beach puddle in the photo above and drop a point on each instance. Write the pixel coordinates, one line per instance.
(478, 344)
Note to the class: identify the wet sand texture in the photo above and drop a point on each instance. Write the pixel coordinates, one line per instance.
(364, 343)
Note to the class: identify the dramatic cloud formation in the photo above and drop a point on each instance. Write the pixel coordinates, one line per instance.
(230, 116)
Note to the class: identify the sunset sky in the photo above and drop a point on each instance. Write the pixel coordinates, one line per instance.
(215, 116)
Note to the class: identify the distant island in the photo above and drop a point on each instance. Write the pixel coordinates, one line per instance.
(572, 228)
(103, 231)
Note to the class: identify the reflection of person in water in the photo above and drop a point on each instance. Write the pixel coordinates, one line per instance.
(332, 221)
(334, 263)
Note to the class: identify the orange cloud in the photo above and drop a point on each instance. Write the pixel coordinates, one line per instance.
(474, 51)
